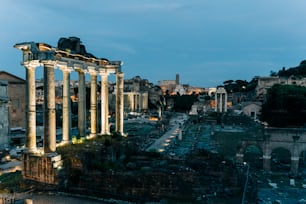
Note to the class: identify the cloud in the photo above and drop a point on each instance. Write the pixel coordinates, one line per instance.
(120, 47)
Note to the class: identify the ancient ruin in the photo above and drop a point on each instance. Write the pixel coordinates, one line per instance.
(70, 55)
(221, 100)
(292, 139)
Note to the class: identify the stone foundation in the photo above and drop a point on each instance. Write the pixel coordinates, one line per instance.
(41, 168)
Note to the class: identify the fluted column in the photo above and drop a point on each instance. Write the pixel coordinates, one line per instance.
(30, 108)
(49, 109)
(221, 103)
(119, 102)
(93, 104)
(216, 102)
(81, 105)
(104, 104)
(66, 106)
(225, 102)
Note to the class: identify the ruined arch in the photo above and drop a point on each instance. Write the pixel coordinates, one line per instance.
(281, 159)
(243, 148)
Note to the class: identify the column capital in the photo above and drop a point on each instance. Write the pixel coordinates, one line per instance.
(49, 63)
(120, 74)
(64, 66)
(103, 72)
(31, 64)
(80, 70)
(92, 71)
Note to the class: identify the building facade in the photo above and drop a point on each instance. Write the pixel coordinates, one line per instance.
(264, 83)
(16, 94)
(4, 112)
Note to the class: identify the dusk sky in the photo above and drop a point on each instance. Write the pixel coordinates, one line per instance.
(205, 41)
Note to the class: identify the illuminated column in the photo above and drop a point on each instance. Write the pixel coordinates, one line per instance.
(132, 100)
(220, 105)
(30, 107)
(93, 104)
(104, 104)
(221, 100)
(225, 102)
(216, 102)
(49, 109)
(81, 104)
(119, 102)
(66, 105)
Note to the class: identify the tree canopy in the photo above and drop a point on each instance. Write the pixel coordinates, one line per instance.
(285, 106)
(299, 70)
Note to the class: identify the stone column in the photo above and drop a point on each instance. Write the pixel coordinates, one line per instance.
(239, 157)
(295, 158)
(295, 165)
(119, 102)
(216, 102)
(49, 109)
(225, 102)
(93, 104)
(220, 108)
(266, 162)
(104, 104)
(30, 108)
(66, 106)
(81, 105)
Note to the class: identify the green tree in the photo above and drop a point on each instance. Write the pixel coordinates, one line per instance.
(285, 106)
(184, 102)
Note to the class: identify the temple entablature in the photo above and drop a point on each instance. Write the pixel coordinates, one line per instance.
(38, 53)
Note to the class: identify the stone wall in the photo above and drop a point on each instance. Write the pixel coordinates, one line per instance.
(42, 168)
(4, 119)
(16, 93)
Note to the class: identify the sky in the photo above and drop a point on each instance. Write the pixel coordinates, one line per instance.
(206, 42)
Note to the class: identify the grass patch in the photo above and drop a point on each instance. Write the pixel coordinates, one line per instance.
(10, 181)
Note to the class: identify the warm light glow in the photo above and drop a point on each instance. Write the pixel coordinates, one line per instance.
(167, 140)
(161, 150)
(77, 141)
(166, 144)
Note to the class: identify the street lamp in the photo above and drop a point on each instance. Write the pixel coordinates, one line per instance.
(246, 181)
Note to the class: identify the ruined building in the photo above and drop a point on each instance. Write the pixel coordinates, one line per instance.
(4, 120)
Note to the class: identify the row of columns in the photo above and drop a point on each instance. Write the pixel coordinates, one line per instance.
(221, 100)
(49, 104)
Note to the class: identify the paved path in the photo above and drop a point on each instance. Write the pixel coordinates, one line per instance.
(161, 143)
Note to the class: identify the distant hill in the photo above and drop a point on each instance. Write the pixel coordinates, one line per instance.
(299, 70)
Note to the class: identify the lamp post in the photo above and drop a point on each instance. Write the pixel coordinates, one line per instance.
(246, 182)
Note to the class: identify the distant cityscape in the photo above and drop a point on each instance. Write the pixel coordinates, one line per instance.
(140, 142)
